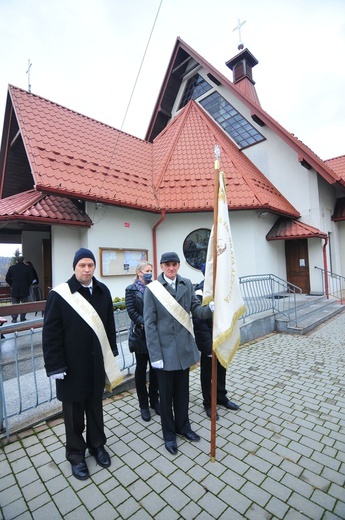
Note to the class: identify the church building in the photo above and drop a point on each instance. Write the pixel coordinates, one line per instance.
(68, 181)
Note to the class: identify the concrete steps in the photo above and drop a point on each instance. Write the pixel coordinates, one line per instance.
(309, 316)
(312, 311)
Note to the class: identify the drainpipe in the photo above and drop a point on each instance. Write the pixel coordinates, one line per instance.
(325, 267)
(154, 241)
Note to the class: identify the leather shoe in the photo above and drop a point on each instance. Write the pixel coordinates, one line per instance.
(191, 436)
(171, 446)
(101, 456)
(145, 414)
(208, 413)
(80, 470)
(156, 407)
(230, 405)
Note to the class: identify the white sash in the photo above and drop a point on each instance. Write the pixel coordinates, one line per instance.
(171, 305)
(89, 314)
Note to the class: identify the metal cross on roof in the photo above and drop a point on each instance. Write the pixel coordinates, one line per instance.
(238, 28)
(28, 73)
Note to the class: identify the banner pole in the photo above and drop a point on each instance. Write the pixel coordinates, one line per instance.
(214, 357)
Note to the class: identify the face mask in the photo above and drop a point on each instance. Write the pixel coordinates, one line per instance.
(147, 277)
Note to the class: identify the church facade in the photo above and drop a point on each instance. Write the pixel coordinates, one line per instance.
(68, 181)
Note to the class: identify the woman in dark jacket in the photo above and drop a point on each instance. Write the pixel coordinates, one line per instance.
(137, 341)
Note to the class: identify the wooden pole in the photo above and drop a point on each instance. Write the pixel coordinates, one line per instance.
(214, 357)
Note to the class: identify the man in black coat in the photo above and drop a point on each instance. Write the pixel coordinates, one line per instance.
(19, 278)
(203, 339)
(73, 356)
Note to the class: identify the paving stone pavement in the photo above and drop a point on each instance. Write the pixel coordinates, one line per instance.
(281, 456)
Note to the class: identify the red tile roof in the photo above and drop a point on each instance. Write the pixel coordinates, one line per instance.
(285, 229)
(75, 156)
(51, 209)
(338, 165)
(184, 168)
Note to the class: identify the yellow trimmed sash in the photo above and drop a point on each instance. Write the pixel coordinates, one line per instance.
(171, 305)
(91, 317)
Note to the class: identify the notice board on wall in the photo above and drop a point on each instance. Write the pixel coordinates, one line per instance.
(119, 262)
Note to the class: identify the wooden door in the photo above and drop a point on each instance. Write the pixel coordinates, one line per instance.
(297, 264)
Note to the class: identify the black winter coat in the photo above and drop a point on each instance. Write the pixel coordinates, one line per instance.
(135, 307)
(71, 346)
(19, 277)
(203, 328)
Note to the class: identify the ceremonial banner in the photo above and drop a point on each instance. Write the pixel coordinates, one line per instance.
(228, 302)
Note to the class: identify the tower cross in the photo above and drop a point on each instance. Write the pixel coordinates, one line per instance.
(28, 73)
(238, 28)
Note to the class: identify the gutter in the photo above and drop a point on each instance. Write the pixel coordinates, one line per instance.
(154, 242)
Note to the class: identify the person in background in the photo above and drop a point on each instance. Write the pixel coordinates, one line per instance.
(34, 283)
(74, 356)
(168, 303)
(203, 338)
(19, 278)
(35, 280)
(137, 341)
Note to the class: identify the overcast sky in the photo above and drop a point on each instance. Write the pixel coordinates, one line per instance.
(86, 55)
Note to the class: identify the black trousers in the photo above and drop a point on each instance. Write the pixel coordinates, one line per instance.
(74, 416)
(19, 299)
(206, 380)
(141, 383)
(174, 398)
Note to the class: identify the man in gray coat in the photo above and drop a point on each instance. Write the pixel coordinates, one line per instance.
(168, 306)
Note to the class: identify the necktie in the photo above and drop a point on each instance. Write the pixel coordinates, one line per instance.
(85, 291)
(173, 286)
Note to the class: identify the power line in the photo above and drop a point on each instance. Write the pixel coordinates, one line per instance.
(141, 64)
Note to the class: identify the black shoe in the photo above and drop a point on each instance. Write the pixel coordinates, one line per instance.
(208, 413)
(156, 407)
(80, 470)
(101, 456)
(14, 320)
(171, 446)
(191, 436)
(229, 405)
(22, 319)
(145, 414)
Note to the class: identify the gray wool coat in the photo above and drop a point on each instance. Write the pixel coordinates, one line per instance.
(166, 338)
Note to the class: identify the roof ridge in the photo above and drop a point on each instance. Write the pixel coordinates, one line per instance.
(39, 196)
(46, 100)
(178, 120)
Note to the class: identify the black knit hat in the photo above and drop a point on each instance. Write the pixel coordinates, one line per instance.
(83, 253)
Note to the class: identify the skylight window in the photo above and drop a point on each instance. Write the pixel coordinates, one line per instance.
(232, 122)
(195, 88)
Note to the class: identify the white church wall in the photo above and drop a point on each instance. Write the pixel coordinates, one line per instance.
(315, 259)
(65, 241)
(119, 228)
(254, 255)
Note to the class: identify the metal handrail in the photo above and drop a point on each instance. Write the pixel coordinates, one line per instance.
(336, 284)
(268, 292)
(23, 381)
